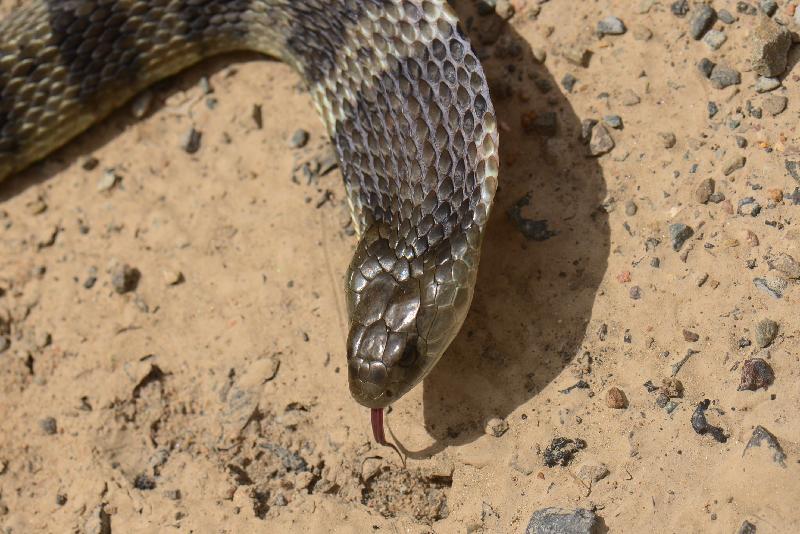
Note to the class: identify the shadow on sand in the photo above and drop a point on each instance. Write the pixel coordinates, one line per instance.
(534, 298)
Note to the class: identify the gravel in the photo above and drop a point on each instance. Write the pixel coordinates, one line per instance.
(299, 139)
(702, 20)
(668, 139)
(774, 287)
(561, 451)
(616, 399)
(48, 425)
(756, 374)
(704, 191)
(496, 427)
(600, 142)
(611, 26)
(765, 84)
(715, 39)
(679, 8)
(701, 425)
(726, 16)
(124, 278)
(679, 233)
(722, 77)
(191, 140)
(706, 67)
(762, 436)
(746, 528)
(786, 265)
(733, 164)
(561, 521)
(766, 332)
(775, 104)
(769, 47)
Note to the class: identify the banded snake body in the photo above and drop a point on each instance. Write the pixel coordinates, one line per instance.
(402, 95)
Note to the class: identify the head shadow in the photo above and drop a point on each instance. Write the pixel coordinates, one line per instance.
(534, 294)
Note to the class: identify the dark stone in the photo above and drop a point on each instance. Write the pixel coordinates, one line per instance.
(561, 521)
(762, 435)
(144, 482)
(746, 528)
(701, 426)
(793, 168)
(125, 278)
(568, 82)
(679, 8)
(48, 425)
(706, 66)
(702, 20)
(756, 373)
(534, 230)
(561, 451)
(679, 233)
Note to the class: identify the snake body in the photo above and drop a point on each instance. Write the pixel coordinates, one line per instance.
(402, 95)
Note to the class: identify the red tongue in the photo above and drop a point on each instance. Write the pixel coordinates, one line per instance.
(376, 415)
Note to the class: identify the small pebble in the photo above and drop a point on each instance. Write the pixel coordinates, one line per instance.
(601, 141)
(706, 67)
(769, 46)
(704, 191)
(766, 331)
(257, 115)
(635, 292)
(775, 104)
(631, 208)
(765, 84)
(668, 139)
(48, 425)
(614, 121)
(107, 181)
(690, 336)
(629, 98)
(773, 287)
(733, 164)
(496, 427)
(299, 139)
(715, 39)
(568, 82)
(679, 8)
(726, 16)
(124, 278)
(702, 20)
(191, 141)
(769, 7)
(746, 528)
(722, 77)
(679, 233)
(701, 425)
(610, 26)
(672, 388)
(762, 436)
(615, 398)
(756, 373)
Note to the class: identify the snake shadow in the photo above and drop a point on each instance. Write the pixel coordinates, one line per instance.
(534, 297)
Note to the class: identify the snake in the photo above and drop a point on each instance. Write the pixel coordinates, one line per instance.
(403, 97)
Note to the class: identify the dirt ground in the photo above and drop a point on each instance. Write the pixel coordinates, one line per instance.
(212, 395)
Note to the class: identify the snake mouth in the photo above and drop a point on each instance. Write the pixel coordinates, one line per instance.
(370, 395)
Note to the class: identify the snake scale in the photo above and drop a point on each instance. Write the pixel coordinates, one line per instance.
(402, 95)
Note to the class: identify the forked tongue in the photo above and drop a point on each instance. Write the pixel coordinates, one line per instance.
(376, 416)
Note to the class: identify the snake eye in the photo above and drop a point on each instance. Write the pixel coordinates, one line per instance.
(409, 356)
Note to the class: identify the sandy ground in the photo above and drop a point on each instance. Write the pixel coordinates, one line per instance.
(213, 396)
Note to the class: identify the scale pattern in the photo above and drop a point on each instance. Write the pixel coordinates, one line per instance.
(403, 97)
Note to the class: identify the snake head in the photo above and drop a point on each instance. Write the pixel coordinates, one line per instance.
(403, 314)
